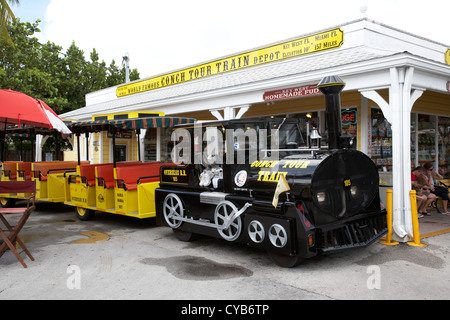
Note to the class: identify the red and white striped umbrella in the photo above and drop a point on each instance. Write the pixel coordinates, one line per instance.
(21, 109)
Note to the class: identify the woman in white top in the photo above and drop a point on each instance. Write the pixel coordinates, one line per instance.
(442, 192)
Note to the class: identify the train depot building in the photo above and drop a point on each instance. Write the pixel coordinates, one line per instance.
(396, 100)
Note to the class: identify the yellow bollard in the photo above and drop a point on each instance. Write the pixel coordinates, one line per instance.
(415, 221)
(388, 241)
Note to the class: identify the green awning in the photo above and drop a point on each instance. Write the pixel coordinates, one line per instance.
(26, 131)
(128, 124)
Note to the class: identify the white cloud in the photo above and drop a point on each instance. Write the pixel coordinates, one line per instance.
(162, 36)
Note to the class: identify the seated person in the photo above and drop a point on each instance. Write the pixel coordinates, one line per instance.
(418, 185)
(442, 192)
(420, 172)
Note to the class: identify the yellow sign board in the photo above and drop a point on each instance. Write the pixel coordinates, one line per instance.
(127, 115)
(322, 41)
(447, 57)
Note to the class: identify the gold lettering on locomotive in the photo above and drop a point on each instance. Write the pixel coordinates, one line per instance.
(264, 164)
(270, 176)
(302, 164)
(171, 172)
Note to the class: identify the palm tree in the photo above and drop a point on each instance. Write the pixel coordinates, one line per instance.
(6, 15)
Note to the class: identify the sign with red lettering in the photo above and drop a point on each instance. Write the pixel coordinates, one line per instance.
(348, 117)
(290, 93)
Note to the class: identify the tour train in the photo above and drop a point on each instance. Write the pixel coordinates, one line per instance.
(249, 180)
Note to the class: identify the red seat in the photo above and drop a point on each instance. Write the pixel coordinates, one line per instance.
(41, 169)
(130, 176)
(105, 173)
(10, 169)
(87, 173)
(24, 170)
(105, 176)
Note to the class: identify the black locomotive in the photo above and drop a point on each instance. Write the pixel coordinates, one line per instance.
(256, 184)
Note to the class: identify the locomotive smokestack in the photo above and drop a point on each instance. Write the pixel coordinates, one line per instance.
(331, 87)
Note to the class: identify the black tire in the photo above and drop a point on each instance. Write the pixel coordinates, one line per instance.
(7, 202)
(184, 235)
(85, 214)
(285, 261)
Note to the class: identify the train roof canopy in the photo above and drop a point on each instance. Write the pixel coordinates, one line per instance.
(128, 124)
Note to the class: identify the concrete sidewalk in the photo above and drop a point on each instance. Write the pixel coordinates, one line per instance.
(434, 224)
(120, 258)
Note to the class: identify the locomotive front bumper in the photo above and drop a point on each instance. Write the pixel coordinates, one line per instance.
(357, 231)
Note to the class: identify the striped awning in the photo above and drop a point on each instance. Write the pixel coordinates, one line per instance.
(29, 132)
(20, 135)
(128, 124)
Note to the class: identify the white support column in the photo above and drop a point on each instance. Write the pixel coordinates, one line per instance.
(142, 145)
(100, 147)
(216, 114)
(364, 127)
(38, 147)
(158, 144)
(398, 113)
(384, 106)
(242, 110)
(229, 113)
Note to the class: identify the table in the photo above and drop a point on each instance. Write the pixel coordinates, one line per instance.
(10, 239)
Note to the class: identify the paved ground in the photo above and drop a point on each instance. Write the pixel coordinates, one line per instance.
(114, 257)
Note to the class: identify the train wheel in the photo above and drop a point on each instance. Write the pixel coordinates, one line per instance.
(7, 202)
(256, 231)
(85, 214)
(285, 261)
(173, 209)
(222, 217)
(278, 236)
(183, 235)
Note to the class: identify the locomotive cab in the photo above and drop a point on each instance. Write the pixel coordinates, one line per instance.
(259, 182)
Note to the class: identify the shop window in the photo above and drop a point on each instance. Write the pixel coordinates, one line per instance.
(166, 144)
(307, 121)
(381, 141)
(150, 144)
(310, 120)
(121, 153)
(350, 123)
(426, 138)
(444, 146)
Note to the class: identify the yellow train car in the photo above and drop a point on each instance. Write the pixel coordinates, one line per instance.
(124, 186)
(118, 187)
(50, 177)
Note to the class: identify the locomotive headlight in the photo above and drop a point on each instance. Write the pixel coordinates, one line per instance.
(321, 197)
(354, 191)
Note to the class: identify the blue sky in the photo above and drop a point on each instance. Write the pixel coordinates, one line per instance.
(31, 10)
(162, 36)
